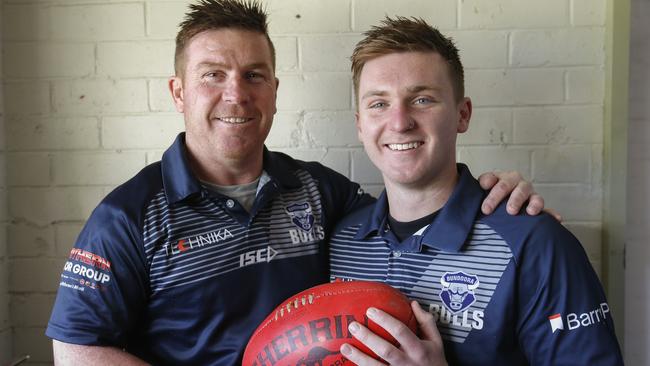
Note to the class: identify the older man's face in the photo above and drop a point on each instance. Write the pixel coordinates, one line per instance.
(227, 93)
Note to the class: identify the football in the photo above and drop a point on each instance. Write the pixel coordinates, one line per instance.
(309, 328)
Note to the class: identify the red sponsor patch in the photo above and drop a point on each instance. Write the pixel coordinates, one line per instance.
(90, 258)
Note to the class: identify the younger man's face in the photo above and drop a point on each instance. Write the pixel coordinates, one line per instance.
(408, 117)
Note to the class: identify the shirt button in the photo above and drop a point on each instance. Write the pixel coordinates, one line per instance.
(230, 203)
(397, 254)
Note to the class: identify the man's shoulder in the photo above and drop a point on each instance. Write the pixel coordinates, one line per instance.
(521, 223)
(133, 196)
(526, 234)
(352, 222)
(282, 161)
(285, 168)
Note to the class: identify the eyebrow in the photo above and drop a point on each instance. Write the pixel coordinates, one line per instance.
(255, 65)
(419, 88)
(411, 89)
(373, 93)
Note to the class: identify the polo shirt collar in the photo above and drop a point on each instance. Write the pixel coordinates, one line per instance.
(376, 222)
(179, 181)
(449, 229)
(280, 170)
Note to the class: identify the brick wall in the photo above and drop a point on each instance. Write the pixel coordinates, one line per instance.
(87, 106)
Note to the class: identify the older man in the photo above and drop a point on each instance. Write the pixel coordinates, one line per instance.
(181, 263)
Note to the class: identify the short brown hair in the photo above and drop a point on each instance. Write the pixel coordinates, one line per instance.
(402, 34)
(216, 14)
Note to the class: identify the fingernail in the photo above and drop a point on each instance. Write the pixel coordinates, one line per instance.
(346, 350)
(371, 312)
(353, 327)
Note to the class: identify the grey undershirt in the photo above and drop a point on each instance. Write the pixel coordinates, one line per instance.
(243, 193)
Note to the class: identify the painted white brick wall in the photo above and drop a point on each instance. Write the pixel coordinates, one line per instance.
(87, 106)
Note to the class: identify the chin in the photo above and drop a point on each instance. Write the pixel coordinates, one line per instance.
(401, 179)
(410, 177)
(236, 153)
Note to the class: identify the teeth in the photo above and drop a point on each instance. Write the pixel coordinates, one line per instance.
(233, 119)
(407, 146)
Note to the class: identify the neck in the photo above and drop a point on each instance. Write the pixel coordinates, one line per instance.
(410, 202)
(223, 171)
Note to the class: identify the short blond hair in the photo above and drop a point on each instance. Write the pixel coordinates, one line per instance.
(217, 14)
(401, 34)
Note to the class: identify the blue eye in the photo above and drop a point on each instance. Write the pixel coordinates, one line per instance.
(422, 100)
(212, 75)
(377, 105)
(254, 76)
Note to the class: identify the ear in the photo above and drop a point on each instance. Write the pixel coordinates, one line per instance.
(277, 85)
(176, 88)
(464, 115)
(356, 122)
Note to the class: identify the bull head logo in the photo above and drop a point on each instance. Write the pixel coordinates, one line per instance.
(458, 290)
(301, 215)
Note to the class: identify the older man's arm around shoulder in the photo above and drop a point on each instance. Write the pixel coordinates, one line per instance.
(69, 354)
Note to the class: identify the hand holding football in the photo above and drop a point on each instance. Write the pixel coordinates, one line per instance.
(309, 328)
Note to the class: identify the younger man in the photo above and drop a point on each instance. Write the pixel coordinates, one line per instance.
(502, 289)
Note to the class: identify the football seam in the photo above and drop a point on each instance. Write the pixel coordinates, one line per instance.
(309, 299)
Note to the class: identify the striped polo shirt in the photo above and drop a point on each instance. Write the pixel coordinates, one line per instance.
(504, 290)
(177, 274)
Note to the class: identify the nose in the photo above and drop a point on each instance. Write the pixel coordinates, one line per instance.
(401, 120)
(235, 91)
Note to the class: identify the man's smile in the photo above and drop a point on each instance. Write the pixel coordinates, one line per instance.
(405, 146)
(234, 120)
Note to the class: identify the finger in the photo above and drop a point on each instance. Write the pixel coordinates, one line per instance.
(535, 204)
(495, 196)
(520, 194)
(426, 323)
(553, 213)
(353, 354)
(434, 352)
(487, 180)
(381, 347)
(400, 331)
(507, 181)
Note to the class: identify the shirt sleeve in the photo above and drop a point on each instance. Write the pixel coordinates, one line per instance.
(564, 316)
(103, 285)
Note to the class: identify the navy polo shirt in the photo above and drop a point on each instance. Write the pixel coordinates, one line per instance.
(175, 274)
(504, 290)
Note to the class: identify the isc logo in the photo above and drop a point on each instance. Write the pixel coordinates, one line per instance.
(257, 256)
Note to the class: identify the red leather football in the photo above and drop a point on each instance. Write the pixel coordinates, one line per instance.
(308, 328)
